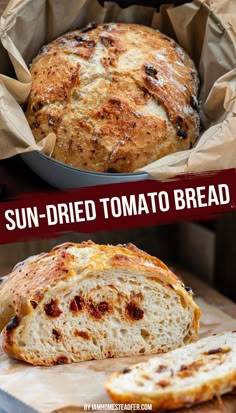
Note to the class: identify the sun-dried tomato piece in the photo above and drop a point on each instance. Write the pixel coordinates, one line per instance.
(103, 307)
(161, 368)
(163, 383)
(62, 360)
(82, 334)
(52, 309)
(135, 312)
(93, 310)
(217, 350)
(33, 304)
(77, 304)
(126, 370)
(56, 334)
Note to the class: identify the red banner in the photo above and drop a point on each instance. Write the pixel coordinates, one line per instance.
(117, 206)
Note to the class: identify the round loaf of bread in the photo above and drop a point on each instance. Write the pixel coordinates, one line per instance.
(117, 96)
(88, 301)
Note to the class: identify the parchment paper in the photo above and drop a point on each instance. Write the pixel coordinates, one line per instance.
(51, 388)
(205, 28)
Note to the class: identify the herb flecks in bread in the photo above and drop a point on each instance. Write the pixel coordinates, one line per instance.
(87, 301)
(117, 96)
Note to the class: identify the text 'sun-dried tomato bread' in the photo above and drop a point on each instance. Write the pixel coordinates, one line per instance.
(191, 374)
(87, 301)
(117, 96)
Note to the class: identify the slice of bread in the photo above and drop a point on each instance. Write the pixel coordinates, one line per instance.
(189, 375)
(87, 301)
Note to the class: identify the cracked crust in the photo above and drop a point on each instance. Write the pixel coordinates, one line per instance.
(118, 97)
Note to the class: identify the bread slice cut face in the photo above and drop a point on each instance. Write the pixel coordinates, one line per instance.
(117, 97)
(191, 374)
(87, 301)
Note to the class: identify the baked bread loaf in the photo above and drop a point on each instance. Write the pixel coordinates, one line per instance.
(117, 96)
(87, 301)
(192, 374)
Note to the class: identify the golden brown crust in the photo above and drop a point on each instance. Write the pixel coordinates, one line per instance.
(118, 97)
